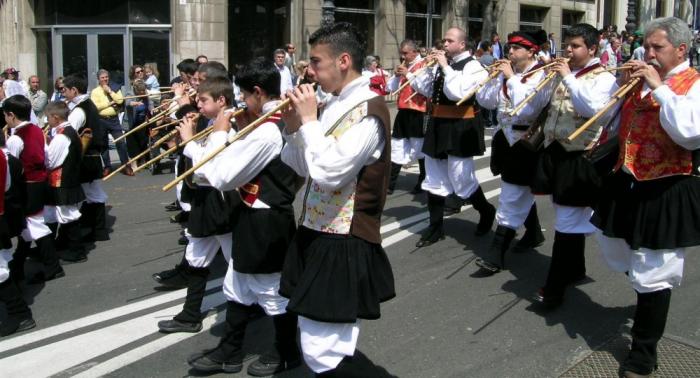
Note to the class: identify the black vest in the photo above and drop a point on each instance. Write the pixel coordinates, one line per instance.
(70, 172)
(439, 96)
(15, 197)
(92, 121)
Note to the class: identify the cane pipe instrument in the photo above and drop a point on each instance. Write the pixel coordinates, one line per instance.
(202, 134)
(617, 96)
(532, 95)
(147, 95)
(479, 87)
(409, 81)
(141, 126)
(165, 125)
(160, 141)
(538, 69)
(239, 135)
(621, 68)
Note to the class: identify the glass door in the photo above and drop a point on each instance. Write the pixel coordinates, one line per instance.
(84, 52)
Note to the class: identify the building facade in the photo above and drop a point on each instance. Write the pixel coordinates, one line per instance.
(54, 38)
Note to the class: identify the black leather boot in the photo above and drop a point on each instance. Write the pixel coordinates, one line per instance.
(19, 316)
(76, 251)
(49, 258)
(434, 232)
(567, 252)
(501, 242)
(190, 318)
(533, 236)
(285, 354)
(228, 356)
(175, 278)
(649, 324)
(393, 177)
(487, 213)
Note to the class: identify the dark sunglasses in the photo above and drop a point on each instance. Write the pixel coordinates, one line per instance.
(61, 89)
(138, 71)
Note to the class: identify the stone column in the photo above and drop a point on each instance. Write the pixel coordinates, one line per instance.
(200, 27)
(17, 40)
(390, 30)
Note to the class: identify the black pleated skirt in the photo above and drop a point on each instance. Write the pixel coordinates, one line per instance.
(336, 278)
(211, 212)
(656, 214)
(516, 164)
(408, 124)
(37, 197)
(5, 237)
(457, 137)
(569, 177)
(91, 167)
(261, 238)
(65, 196)
(15, 219)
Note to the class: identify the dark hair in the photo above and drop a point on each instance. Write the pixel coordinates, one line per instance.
(57, 108)
(485, 45)
(342, 37)
(188, 66)
(202, 56)
(213, 69)
(217, 87)
(77, 82)
(262, 73)
(184, 110)
(19, 105)
(587, 32)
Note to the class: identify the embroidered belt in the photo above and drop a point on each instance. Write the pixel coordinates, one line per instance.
(453, 111)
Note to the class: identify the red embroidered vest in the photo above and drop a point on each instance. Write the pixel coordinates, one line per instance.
(33, 154)
(417, 102)
(646, 150)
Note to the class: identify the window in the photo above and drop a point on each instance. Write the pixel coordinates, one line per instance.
(532, 18)
(256, 28)
(153, 46)
(568, 19)
(100, 12)
(417, 18)
(475, 21)
(44, 57)
(361, 15)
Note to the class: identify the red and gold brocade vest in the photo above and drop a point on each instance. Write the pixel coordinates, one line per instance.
(646, 150)
(417, 102)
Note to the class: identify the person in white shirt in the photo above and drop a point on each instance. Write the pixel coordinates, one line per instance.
(286, 82)
(336, 271)
(455, 134)
(647, 214)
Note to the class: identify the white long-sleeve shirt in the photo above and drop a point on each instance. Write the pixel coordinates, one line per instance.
(457, 83)
(15, 144)
(243, 160)
(77, 117)
(333, 163)
(57, 150)
(395, 81)
(492, 97)
(679, 115)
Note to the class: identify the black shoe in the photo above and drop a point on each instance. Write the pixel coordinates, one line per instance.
(172, 326)
(451, 210)
(41, 277)
(268, 365)
(530, 240)
(416, 190)
(486, 268)
(430, 237)
(547, 300)
(389, 192)
(183, 240)
(174, 206)
(73, 258)
(171, 278)
(11, 326)
(180, 217)
(201, 362)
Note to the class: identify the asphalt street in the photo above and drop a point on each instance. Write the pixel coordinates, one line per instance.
(100, 320)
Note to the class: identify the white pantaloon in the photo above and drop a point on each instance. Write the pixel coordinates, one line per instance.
(648, 270)
(573, 220)
(514, 205)
(249, 289)
(324, 345)
(94, 192)
(36, 227)
(62, 214)
(200, 252)
(452, 175)
(406, 150)
(5, 258)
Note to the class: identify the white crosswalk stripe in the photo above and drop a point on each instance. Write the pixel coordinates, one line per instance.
(44, 351)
